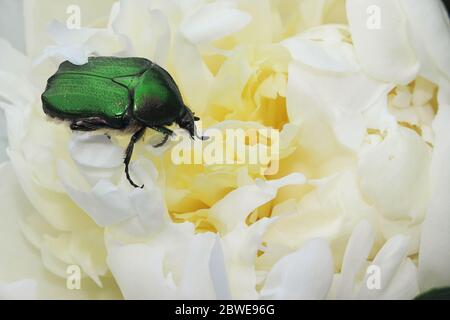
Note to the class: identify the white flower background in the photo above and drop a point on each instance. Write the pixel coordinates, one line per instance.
(364, 118)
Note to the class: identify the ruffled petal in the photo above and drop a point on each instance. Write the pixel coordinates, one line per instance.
(22, 272)
(391, 275)
(389, 261)
(379, 32)
(434, 254)
(304, 274)
(213, 21)
(329, 85)
(431, 40)
(240, 247)
(227, 215)
(174, 264)
(358, 248)
(402, 162)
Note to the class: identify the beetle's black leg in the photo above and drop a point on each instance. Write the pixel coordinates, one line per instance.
(135, 137)
(162, 130)
(167, 133)
(163, 141)
(78, 126)
(88, 124)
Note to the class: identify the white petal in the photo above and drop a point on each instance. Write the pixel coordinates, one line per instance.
(238, 204)
(60, 212)
(37, 17)
(12, 24)
(240, 248)
(133, 21)
(105, 204)
(304, 274)
(434, 254)
(214, 21)
(174, 264)
(395, 273)
(15, 73)
(401, 162)
(196, 279)
(20, 261)
(18, 92)
(191, 74)
(76, 45)
(315, 95)
(138, 270)
(145, 25)
(69, 43)
(405, 284)
(388, 260)
(13, 61)
(356, 253)
(161, 39)
(108, 204)
(336, 57)
(81, 149)
(218, 271)
(380, 36)
(432, 39)
(62, 35)
(330, 212)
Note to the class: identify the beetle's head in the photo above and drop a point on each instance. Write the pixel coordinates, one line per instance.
(187, 121)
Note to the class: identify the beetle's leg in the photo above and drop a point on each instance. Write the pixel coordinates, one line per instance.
(134, 138)
(162, 130)
(163, 141)
(167, 133)
(88, 124)
(77, 126)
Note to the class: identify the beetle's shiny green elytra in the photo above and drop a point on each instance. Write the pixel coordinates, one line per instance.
(117, 93)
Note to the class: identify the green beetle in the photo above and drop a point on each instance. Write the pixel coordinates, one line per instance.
(127, 94)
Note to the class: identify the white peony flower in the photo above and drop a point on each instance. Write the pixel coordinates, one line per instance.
(359, 92)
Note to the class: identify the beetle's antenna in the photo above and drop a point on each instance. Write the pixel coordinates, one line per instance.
(200, 137)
